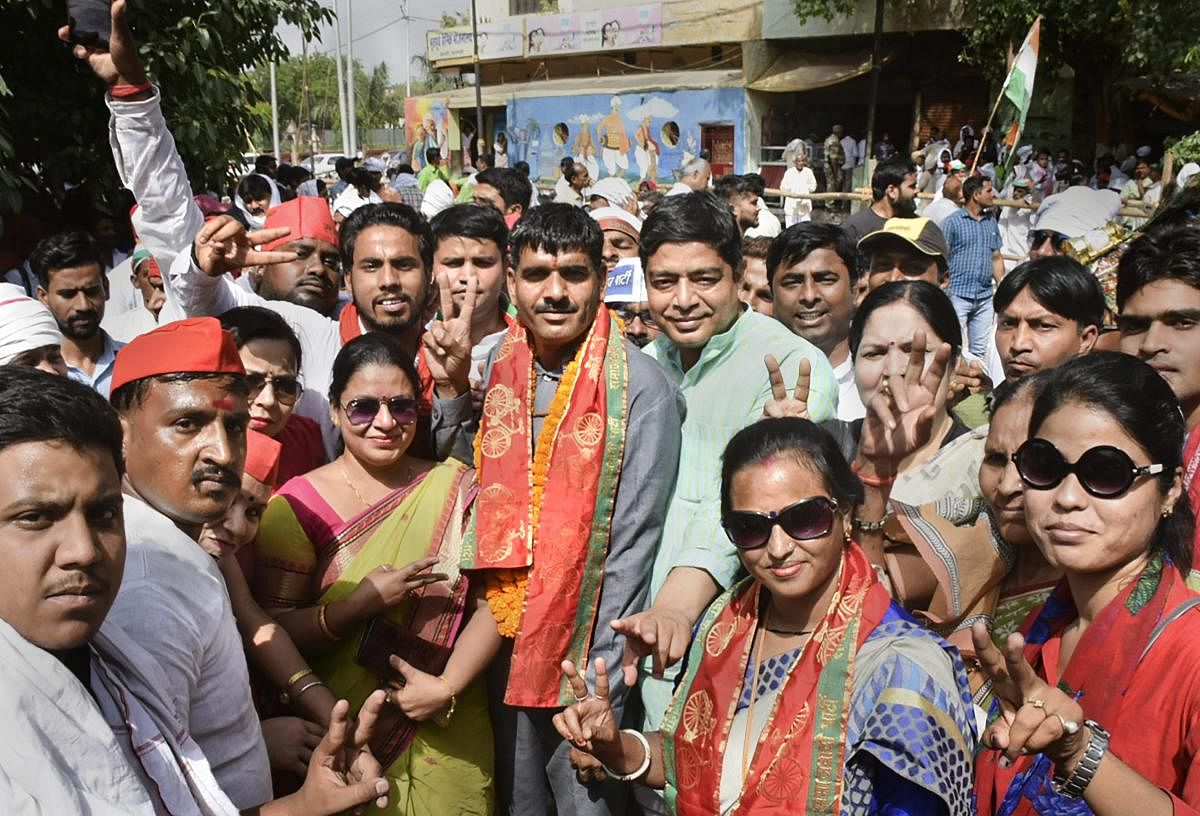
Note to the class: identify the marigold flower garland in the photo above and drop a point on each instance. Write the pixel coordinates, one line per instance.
(506, 587)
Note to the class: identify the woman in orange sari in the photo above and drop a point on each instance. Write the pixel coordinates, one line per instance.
(805, 690)
(344, 558)
(1098, 695)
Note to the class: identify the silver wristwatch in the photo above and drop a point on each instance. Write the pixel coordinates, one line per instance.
(1073, 786)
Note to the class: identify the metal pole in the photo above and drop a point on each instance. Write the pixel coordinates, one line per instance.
(407, 53)
(274, 114)
(478, 79)
(353, 113)
(876, 70)
(343, 121)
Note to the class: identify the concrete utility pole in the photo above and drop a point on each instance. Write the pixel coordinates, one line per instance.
(350, 79)
(274, 114)
(343, 120)
(407, 52)
(478, 77)
(876, 70)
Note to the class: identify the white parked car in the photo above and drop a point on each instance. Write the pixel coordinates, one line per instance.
(322, 165)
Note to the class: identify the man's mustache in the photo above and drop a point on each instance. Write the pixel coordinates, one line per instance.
(552, 308)
(216, 473)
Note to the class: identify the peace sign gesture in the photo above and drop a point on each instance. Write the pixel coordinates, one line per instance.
(900, 416)
(780, 404)
(448, 341)
(1036, 717)
(223, 244)
(589, 724)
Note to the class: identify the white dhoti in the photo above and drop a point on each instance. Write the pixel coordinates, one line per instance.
(613, 159)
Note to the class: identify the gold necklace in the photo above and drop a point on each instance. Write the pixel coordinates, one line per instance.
(350, 484)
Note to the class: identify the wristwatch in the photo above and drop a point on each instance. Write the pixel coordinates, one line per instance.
(1073, 786)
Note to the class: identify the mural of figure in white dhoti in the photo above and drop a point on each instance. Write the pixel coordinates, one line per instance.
(614, 140)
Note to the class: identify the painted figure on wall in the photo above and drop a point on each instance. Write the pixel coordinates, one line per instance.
(614, 139)
(645, 151)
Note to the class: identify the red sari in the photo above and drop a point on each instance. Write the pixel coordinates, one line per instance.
(1136, 671)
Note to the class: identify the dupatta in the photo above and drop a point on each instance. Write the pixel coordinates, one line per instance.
(1109, 652)
(798, 759)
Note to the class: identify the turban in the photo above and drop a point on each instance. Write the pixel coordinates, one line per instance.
(308, 217)
(195, 346)
(612, 218)
(1077, 211)
(1186, 173)
(25, 324)
(262, 458)
(616, 191)
(438, 197)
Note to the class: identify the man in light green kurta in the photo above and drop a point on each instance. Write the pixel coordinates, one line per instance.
(713, 348)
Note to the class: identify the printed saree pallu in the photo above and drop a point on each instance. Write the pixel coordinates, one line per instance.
(541, 524)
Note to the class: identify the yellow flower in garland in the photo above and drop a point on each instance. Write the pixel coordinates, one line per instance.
(506, 588)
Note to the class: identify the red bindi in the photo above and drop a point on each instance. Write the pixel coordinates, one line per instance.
(223, 404)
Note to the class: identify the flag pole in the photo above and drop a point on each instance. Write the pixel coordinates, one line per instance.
(999, 98)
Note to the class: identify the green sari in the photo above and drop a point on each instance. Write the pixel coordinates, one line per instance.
(306, 555)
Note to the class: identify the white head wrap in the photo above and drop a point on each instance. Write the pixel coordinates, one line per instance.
(1077, 211)
(1186, 172)
(25, 324)
(616, 191)
(438, 197)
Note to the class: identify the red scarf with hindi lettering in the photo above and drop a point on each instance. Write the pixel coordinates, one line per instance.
(796, 764)
(565, 554)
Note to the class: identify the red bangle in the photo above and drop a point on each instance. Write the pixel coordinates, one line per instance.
(127, 91)
(874, 481)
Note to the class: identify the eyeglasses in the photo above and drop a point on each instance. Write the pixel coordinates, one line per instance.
(806, 519)
(1039, 237)
(363, 410)
(1104, 471)
(287, 387)
(628, 315)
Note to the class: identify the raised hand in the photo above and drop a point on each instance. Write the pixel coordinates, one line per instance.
(448, 341)
(900, 416)
(421, 695)
(665, 634)
(386, 585)
(589, 723)
(119, 65)
(223, 245)
(1035, 717)
(342, 773)
(780, 404)
(968, 379)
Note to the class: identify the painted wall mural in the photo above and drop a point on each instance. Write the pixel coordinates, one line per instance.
(636, 136)
(428, 123)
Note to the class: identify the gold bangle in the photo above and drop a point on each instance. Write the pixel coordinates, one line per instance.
(444, 719)
(324, 624)
(300, 675)
(306, 687)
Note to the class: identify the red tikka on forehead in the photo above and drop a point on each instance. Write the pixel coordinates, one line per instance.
(223, 404)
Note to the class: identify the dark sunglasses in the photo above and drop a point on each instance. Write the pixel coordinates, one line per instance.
(806, 519)
(363, 410)
(1104, 471)
(628, 315)
(287, 388)
(1039, 237)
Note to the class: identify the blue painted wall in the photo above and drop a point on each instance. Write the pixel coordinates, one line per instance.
(533, 137)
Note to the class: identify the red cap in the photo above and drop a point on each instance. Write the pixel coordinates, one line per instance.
(308, 217)
(262, 458)
(198, 345)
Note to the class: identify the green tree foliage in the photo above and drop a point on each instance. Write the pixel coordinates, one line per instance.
(1104, 41)
(197, 51)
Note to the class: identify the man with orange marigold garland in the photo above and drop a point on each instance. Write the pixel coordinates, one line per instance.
(579, 429)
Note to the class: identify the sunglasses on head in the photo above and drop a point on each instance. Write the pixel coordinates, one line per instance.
(1103, 471)
(287, 387)
(627, 316)
(362, 410)
(1039, 237)
(806, 519)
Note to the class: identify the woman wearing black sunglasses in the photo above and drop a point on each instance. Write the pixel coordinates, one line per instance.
(805, 689)
(358, 540)
(1097, 696)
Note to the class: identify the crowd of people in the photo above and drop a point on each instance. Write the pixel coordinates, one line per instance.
(592, 510)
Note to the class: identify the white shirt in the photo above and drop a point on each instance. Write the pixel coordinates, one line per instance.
(679, 188)
(174, 604)
(802, 181)
(850, 405)
(122, 294)
(350, 200)
(850, 148)
(131, 324)
(940, 209)
(768, 225)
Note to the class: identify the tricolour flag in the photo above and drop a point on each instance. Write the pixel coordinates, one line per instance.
(1018, 89)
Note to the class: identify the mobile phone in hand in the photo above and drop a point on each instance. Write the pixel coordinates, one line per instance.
(90, 21)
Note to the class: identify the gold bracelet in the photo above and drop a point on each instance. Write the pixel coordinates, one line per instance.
(300, 675)
(444, 719)
(306, 687)
(324, 624)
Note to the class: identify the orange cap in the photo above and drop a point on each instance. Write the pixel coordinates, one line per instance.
(308, 217)
(197, 345)
(262, 458)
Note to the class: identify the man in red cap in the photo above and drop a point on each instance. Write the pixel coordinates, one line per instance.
(312, 280)
(181, 396)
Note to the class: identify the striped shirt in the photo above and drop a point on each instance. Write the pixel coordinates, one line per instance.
(972, 242)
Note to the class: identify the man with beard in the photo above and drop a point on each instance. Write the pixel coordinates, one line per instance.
(894, 190)
(741, 196)
(71, 284)
(312, 279)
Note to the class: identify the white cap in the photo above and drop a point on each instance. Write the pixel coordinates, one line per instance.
(627, 220)
(25, 324)
(1186, 172)
(625, 283)
(438, 197)
(614, 190)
